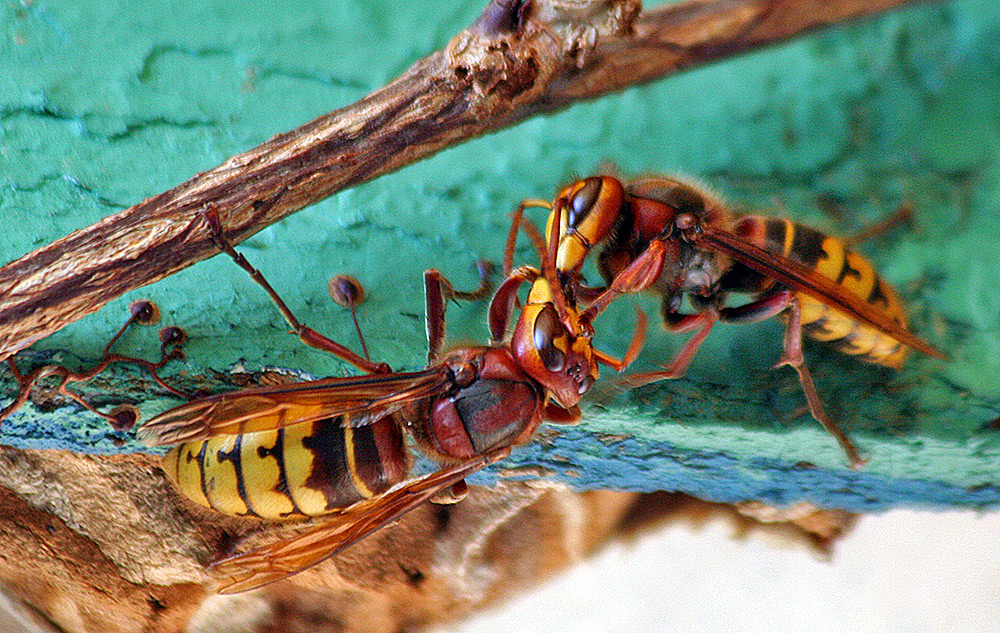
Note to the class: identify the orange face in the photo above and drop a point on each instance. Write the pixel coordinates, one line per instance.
(590, 211)
(560, 361)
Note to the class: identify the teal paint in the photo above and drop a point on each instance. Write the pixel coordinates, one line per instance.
(104, 104)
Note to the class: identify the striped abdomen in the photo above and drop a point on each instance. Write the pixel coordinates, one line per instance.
(828, 256)
(303, 470)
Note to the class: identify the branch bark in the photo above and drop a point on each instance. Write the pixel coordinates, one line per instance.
(517, 60)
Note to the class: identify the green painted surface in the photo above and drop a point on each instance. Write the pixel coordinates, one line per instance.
(104, 104)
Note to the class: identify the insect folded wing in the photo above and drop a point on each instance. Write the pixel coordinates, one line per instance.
(278, 560)
(362, 398)
(804, 279)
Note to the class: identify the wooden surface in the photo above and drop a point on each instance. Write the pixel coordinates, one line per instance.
(835, 129)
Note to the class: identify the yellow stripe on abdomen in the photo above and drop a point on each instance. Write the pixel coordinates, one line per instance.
(825, 323)
(263, 481)
(298, 470)
(352, 464)
(221, 480)
(183, 468)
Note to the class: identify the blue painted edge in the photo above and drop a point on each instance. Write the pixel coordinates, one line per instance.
(629, 464)
(644, 466)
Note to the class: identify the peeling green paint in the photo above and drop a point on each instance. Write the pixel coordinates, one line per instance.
(104, 104)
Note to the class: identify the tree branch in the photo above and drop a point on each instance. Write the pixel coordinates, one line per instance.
(517, 60)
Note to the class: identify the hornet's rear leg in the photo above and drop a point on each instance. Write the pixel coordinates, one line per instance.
(766, 307)
(438, 291)
(309, 336)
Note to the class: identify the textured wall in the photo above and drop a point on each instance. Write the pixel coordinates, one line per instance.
(104, 104)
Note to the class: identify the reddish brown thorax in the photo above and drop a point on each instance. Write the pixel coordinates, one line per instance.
(493, 403)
